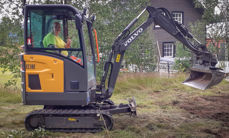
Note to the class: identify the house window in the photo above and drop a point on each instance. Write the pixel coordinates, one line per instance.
(168, 49)
(178, 16)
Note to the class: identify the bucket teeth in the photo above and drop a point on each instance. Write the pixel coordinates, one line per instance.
(203, 79)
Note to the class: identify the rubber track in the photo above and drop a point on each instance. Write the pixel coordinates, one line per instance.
(69, 112)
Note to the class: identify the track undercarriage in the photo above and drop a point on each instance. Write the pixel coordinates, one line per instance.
(91, 118)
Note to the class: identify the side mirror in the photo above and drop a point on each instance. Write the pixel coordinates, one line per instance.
(85, 12)
(24, 2)
(93, 17)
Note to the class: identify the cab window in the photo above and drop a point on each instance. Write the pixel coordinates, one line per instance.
(54, 31)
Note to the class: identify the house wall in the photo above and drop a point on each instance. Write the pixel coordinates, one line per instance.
(190, 15)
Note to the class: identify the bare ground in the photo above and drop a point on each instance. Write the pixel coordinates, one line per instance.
(210, 107)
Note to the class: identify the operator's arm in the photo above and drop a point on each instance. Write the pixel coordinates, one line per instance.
(68, 44)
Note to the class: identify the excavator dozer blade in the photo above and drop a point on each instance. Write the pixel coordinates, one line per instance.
(203, 79)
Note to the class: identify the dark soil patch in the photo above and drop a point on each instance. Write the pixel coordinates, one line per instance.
(210, 107)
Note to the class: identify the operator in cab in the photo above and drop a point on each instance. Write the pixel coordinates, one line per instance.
(53, 38)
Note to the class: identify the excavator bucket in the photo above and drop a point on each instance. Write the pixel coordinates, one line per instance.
(203, 79)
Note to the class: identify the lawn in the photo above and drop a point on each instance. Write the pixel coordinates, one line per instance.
(165, 108)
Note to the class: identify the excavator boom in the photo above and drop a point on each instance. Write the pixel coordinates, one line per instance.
(203, 73)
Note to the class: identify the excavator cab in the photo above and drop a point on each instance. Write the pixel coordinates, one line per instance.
(53, 74)
(58, 71)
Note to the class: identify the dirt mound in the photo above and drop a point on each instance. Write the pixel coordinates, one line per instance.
(210, 107)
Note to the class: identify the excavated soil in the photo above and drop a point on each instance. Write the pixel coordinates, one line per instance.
(210, 107)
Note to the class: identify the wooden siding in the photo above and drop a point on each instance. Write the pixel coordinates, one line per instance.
(191, 15)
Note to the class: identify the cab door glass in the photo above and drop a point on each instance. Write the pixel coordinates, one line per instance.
(75, 42)
(90, 58)
(35, 35)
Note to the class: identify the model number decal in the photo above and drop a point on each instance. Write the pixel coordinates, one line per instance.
(118, 57)
(30, 66)
(72, 119)
(133, 36)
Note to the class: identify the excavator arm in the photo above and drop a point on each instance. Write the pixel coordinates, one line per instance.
(203, 72)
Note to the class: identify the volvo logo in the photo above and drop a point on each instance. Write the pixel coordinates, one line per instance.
(133, 36)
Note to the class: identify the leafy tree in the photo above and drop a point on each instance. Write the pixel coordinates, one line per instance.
(11, 37)
(112, 17)
(183, 55)
(216, 17)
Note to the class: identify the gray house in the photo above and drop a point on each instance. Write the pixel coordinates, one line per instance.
(184, 12)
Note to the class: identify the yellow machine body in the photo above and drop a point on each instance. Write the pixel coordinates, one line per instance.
(46, 70)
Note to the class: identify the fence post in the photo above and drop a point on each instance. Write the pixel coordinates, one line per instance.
(168, 69)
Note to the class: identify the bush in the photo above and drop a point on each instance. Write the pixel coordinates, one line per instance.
(182, 62)
(182, 65)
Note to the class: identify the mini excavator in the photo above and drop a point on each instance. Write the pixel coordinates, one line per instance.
(66, 84)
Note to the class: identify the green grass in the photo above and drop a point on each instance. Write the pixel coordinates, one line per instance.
(157, 98)
(10, 96)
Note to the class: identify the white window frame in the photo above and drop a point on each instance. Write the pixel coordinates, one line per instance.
(178, 16)
(168, 49)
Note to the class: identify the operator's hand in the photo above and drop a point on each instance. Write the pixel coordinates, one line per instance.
(68, 44)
